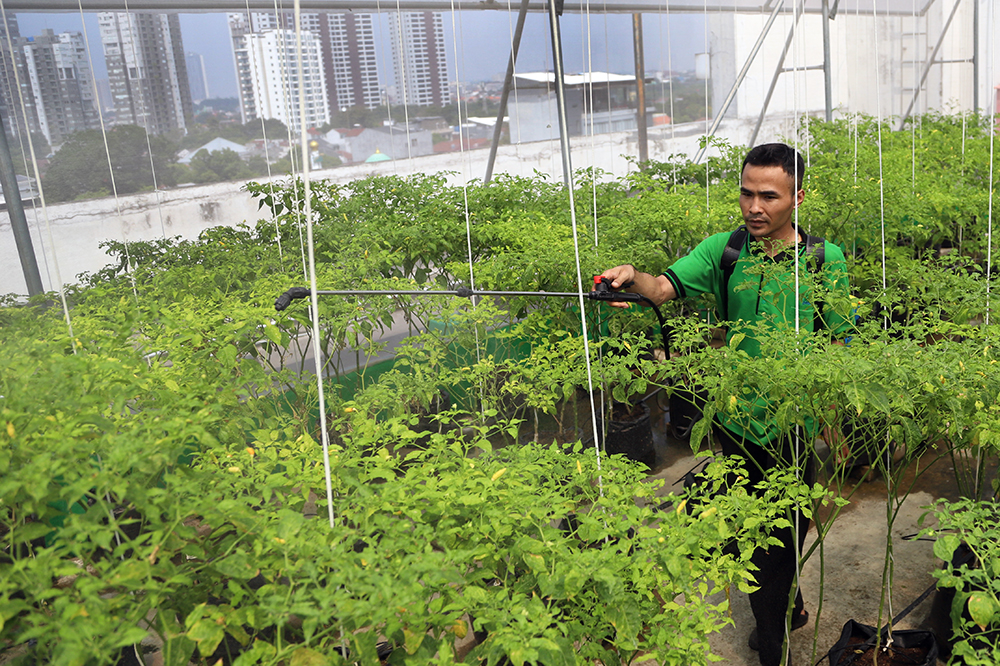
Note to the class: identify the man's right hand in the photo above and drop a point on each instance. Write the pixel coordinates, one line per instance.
(658, 288)
(620, 275)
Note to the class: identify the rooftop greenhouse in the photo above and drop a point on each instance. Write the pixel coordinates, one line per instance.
(296, 405)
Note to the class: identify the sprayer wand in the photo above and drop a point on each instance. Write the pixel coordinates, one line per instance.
(602, 292)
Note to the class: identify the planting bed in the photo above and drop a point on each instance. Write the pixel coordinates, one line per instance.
(166, 470)
(853, 561)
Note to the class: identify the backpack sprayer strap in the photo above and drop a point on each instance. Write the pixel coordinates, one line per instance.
(815, 249)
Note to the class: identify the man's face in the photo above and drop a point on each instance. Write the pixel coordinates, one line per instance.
(767, 201)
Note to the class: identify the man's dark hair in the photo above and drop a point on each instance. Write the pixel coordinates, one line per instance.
(777, 154)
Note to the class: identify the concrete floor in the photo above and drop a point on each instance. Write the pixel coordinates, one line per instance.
(848, 584)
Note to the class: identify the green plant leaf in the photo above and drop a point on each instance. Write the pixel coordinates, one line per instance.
(272, 333)
(227, 355)
(207, 633)
(412, 640)
(177, 651)
(981, 609)
(699, 432)
(945, 546)
(236, 565)
(304, 656)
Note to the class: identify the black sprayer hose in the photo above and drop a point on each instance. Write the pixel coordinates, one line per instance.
(602, 292)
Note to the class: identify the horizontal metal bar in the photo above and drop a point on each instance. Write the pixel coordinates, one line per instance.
(954, 62)
(573, 6)
(800, 69)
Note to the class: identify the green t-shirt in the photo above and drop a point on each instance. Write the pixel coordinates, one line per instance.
(761, 293)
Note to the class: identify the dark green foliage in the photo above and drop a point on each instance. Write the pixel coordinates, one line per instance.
(80, 168)
(158, 461)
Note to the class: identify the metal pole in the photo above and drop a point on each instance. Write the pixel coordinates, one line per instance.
(640, 88)
(774, 80)
(557, 61)
(929, 64)
(739, 78)
(827, 79)
(18, 222)
(508, 79)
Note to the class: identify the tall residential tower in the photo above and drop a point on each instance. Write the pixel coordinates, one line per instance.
(346, 53)
(57, 72)
(147, 71)
(279, 89)
(419, 59)
(55, 97)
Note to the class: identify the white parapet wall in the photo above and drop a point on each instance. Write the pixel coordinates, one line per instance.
(78, 227)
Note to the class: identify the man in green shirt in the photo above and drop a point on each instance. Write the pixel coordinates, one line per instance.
(764, 272)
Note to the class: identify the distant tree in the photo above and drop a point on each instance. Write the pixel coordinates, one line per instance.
(329, 161)
(257, 165)
(274, 128)
(22, 161)
(217, 166)
(227, 104)
(285, 165)
(81, 165)
(207, 127)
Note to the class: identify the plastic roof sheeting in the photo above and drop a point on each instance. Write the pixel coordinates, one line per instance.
(880, 7)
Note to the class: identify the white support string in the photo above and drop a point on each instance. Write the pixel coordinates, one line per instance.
(317, 348)
(287, 88)
(607, 68)
(589, 59)
(670, 74)
(465, 186)
(992, 118)
(465, 178)
(267, 161)
(913, 119)
(991, 187)
(797, 453)
(553, 141)
(146, 113)
(885, 320)
(708, 120)
(401, 85)
(41, 190)
(16, 130)
(388, 106)
(586, 335)
(107, 149)
(516, 114)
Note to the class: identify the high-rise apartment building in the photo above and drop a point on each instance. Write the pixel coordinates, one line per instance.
(46, 83)
(61, 84)
(347, 49)
(10, 105)
(147, 71)
(197, 78)
(419, 59)
(349, 60)
(280, 90)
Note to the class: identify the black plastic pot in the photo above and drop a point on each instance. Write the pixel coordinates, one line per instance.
(858, 641)
(630, 432)
(939, 619)
(686, 405)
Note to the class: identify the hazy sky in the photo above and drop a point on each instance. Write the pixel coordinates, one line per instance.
(483, 44)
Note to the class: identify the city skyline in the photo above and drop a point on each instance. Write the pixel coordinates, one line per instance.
(483, 44)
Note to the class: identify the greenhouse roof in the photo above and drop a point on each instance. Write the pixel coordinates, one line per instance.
(878, 7)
